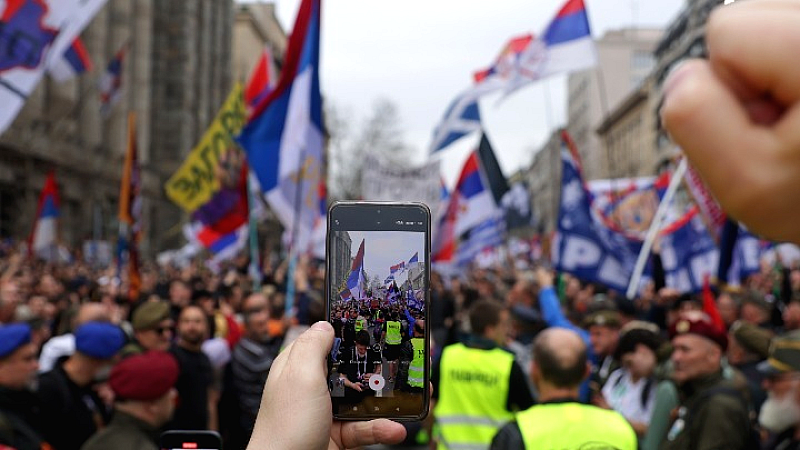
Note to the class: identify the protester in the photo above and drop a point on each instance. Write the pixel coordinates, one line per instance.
(197, 405)
(559, 420)
(780, 413)
(145, 400)
(64, 345)
(252, 359)
(478, 384)
(20, 424)
(630, 390)
(152, 328)
(74, 410)
(714, 411)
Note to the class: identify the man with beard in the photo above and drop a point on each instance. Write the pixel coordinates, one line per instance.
(251, 360)
(19, 421)
(197, 403)
(780, 413)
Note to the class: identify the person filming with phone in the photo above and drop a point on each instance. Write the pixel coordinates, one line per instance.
(357, 366)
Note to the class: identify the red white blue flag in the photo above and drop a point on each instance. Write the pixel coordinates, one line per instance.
(284, 136)
(72, 63)
(42, 241)
(111, 83)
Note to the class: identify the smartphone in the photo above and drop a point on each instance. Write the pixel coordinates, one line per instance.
(377, 296)
(190, 439)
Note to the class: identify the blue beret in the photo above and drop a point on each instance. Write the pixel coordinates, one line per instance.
(12, 337)
(99, 340)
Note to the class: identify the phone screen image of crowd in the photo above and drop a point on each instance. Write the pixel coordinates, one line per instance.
(377, 309)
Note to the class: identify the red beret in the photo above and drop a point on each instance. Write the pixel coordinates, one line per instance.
(144, 377)
(697, 322)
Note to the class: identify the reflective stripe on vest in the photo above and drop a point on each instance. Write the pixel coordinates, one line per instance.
(573, 425)
(393, 333)
(416, 370)
(473, 392)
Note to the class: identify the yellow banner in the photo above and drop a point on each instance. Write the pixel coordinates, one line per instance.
(195, 182)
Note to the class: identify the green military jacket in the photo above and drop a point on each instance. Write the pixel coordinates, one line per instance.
(125, 432)
(713, 415)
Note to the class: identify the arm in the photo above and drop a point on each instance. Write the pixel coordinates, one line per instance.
(552, 315)
(508, 438)
(519, 394)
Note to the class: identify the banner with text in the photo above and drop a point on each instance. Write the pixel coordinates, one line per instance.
(195, 182)
(382, 182)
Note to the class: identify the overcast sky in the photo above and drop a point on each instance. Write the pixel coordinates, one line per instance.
(383, 249)
(420, 53)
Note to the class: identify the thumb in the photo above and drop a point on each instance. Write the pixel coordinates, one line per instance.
(314, 344)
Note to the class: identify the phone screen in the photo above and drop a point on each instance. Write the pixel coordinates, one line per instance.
(378, 275)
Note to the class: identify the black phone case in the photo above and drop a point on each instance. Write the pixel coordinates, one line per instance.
(386, 413)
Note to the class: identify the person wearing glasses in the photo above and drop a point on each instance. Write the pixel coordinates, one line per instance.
(152, 329)
(780, 413)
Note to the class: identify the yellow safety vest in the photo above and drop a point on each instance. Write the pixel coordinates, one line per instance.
(574, 425)
(416, 370)
(473, 392)
(360, 324)
(393, 333)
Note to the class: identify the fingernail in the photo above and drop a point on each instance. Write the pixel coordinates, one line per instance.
(320, 326)
(676, 74)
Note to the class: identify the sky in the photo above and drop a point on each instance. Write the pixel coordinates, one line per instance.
(383, 249)
(420, 53)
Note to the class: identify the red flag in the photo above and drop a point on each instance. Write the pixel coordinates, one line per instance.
(710, 305)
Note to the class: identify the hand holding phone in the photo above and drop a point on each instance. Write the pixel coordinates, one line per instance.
(377, 289)
(300, 417)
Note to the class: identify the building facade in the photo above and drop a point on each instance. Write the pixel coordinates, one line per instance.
(176, 73)
(544, 183)
(628, 134)
(683, 38)
(625, 58)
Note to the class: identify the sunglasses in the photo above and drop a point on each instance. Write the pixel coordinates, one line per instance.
(162, 330)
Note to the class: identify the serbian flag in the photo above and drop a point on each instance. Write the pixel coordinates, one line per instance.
(507, 61)
(356, 281)
(284, 135)
(262, 80)
(221, 225)
(72, 63)
(111, 83)
(474, 201)
(396, 267)
(565, 46)
(42, 240)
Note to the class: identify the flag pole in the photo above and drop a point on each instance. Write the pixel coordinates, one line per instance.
(254, 268)
(655, 226)
(289, 304)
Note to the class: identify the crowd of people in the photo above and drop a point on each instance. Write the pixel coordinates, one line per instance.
(523, 357)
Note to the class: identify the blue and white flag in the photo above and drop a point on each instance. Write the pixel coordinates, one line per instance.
(583, 245)
(461, 118)
(284, 136)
